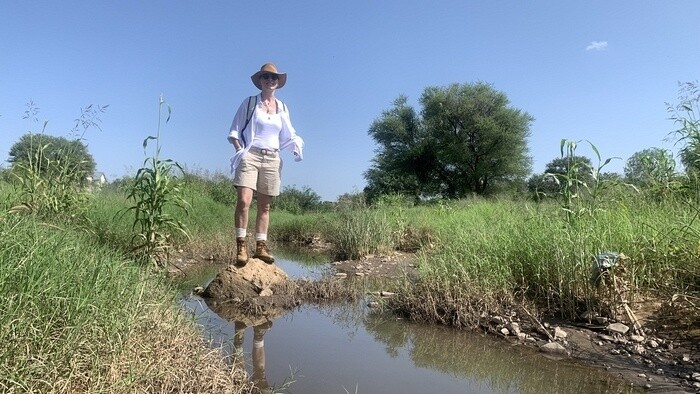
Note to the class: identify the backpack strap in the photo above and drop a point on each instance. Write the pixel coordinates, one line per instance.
(252, 102)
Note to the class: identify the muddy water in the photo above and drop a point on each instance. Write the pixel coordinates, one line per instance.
(349, 349)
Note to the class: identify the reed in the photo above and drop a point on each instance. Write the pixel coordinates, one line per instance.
(155, 188)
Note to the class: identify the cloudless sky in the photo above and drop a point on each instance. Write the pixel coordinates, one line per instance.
(601, 71)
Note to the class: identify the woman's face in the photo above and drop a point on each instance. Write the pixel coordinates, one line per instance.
(268, 81)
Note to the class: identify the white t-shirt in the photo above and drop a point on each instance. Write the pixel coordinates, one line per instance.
(267, 129)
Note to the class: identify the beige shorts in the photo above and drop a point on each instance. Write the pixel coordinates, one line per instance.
(260, 170)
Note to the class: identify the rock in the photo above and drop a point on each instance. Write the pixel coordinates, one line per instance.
(696, 376)
(606, 337)
(601, 320)
(686, 358)
(341, 275)
(637, 338)
(554, 348)
(266, 293)
(618, 328)
(559, 333)
(653, 344)
(386, 294)
(505, 331)
(639, 349)
(515, 328)
(522, 336)
(198, 290)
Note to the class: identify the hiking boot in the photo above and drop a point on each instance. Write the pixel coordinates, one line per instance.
(241, 251)
(263, 253)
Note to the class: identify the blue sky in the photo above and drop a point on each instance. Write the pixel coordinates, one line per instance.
(585, 70)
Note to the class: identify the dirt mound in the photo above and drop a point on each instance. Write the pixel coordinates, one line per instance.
(254, 279)
(253, 294)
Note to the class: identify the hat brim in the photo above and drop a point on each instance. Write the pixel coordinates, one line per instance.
(281, 79)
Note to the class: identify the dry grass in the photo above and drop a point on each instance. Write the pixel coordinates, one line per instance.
(173, 361)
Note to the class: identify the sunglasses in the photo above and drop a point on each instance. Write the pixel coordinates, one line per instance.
(269, 76)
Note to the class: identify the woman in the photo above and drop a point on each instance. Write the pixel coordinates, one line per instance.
(260, 130)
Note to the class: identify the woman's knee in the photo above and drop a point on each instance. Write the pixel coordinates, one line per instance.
(264, 203)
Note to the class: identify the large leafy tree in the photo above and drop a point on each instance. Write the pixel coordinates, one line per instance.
(467, 140)
(650, 166)
(479, 138)
(45, 153)
(404, 160)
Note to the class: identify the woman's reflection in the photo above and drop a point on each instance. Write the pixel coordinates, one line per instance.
(258, 352)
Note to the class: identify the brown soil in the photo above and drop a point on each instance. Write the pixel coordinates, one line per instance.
(392, 266)
(667, 368)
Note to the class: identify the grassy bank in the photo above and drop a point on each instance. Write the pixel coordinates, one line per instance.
(80, 316)
(488, 256)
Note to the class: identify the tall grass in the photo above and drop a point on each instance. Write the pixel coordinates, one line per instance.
(477, 256)
(76, 317)
(47, 182)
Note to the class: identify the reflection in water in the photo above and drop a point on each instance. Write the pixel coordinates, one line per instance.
(347, 349)
(498, 366)
(258, 352)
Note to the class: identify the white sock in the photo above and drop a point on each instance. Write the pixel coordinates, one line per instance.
(241, 232)
(261, 236)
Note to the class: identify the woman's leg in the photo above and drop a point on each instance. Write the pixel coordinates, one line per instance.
(262, 220)
(262, 223)
(245, 196)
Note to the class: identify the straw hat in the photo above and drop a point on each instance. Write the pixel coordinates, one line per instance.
(269, 68)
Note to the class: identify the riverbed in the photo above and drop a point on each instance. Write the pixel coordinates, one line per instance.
(352, 348)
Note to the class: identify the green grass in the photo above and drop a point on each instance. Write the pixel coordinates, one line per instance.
(80, 316)
(493, 254)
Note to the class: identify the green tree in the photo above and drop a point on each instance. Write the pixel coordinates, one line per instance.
(479, 139)
(466, 140)
(43, 151)
(550, 183)
(298, 201)
(649, 167)
(404, 160)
